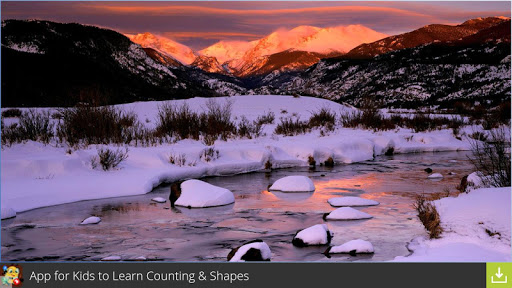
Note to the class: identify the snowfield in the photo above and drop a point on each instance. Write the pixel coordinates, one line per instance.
(476, 229)
(34, 175)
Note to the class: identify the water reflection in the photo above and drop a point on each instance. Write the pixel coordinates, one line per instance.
(294, 196)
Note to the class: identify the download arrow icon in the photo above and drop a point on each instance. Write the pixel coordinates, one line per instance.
(499, 274)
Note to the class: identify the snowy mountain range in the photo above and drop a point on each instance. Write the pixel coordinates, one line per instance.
(283, 50)
(55, 64)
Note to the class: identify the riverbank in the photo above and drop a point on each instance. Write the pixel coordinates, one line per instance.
(476, 229)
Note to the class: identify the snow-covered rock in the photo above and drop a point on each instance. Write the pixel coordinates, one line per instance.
(293, 184)
(8, 212)
(351, 201)
(352, 247)
(112, 258)
(435, 176)
(346, 213)
(91, 220)
(475, 181)
(159, 200)
(199, 194)
(256, 250)
(315, 235)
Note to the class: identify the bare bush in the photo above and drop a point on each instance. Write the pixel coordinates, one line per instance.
(109, 159)
(428, 215)
(179, 159)
(11, 113)
(248, 129)
(32, 125)
(268, 118)
(324, 117)
(291, 127)
(95, 125)
(492, 158)
(209, 154)
(178, 121)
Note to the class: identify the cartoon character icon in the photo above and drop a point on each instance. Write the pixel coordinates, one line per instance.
(11, 276)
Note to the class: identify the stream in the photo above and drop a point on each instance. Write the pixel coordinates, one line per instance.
(134, 227)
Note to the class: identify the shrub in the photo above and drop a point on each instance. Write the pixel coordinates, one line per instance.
(209, 154)
(13, 112)
(367, 119)
(428, 215)
(96, 125)
(477, 135)
(178, 121)
(268, 165)
(291, 127)
(323, 118)
(248, 129)
(179, 159)
(216, 121)
(31, 126)
(311, 161)
(492, 158)
(329, 162)
(109, 159)
(268, 118)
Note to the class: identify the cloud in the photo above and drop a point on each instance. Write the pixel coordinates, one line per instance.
(211, 35)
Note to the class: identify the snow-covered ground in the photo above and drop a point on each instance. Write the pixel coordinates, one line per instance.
(476, 229)
(34, 175)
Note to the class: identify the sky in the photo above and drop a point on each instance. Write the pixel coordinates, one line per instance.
(200, 24)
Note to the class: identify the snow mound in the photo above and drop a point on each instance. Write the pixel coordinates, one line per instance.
(293, 184)
(315, 235)
(467, 220)
(91, 220)
(159, 200)
(261, 246)
(475, 181)
(353, 247)
(346, 213)
(111, 258)
(351, 201)
(435, 176)
(199, 194)
(8, 212)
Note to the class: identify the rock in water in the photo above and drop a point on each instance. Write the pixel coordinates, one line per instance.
(351, 201)
(428, 170)
(346, 213)
(175, 192)
(435, 176)
(91, 220)
(199, 194)
(315, 235)
(352, 247)
(159, 200)
(112, 258)
(293, 184)
(255, 250)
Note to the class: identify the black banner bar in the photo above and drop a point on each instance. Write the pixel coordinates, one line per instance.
(260, 275)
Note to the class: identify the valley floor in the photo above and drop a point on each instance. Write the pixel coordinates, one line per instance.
(34, 175)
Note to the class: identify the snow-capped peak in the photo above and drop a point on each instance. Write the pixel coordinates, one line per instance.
(228, 50)
(165, 45)
(301, 38)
